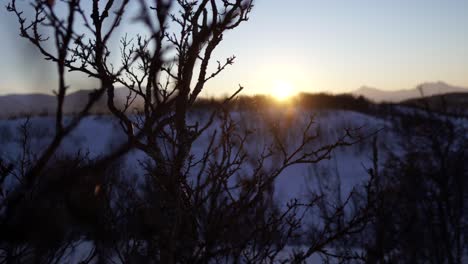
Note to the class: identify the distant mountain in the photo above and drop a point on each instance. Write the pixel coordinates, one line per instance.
(19, 104)
(34, 104)
(428, 89)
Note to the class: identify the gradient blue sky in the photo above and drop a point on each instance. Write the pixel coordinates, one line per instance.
(315, 45)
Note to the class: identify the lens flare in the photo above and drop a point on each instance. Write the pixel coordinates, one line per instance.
(282, 90)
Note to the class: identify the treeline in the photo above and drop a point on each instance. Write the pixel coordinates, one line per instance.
(450, 104)
(453, 104)
(303, 100)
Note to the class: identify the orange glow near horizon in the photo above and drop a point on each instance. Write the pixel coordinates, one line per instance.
(283, 91)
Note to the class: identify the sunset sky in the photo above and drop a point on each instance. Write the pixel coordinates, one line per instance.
(307, 45)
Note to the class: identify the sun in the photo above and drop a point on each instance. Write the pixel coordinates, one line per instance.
(282, 90)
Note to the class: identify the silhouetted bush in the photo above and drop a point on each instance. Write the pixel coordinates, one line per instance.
(420, 193)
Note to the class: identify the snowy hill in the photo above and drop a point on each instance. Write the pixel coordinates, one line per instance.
(98, 135)
(346, 169)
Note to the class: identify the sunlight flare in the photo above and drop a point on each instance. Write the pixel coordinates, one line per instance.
(283, 90)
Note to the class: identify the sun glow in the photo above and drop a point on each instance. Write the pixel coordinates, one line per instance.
(282, 91)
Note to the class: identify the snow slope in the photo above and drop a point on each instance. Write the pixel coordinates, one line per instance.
(100, 134)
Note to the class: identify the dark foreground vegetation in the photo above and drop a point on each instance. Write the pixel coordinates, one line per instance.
(216, 204)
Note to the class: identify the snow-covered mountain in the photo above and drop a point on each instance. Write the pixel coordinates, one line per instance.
(428, 89)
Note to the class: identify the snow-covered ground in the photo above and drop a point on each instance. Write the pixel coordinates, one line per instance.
(100, 134)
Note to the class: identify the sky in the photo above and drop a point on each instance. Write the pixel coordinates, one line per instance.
(307, 45)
